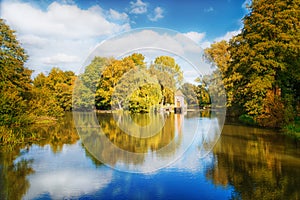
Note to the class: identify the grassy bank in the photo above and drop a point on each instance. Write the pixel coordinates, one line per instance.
(17, 135)
(23, 133)
(293, 129)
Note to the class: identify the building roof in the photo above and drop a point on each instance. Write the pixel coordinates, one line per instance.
(179, 93)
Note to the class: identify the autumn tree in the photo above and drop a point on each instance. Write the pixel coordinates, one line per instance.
(127, 83)
(96, 85)
(15, 84)
(264, 68)
(138, 59)
(53, 93)
(110, 77)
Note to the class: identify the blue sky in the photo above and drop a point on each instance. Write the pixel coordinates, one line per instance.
(63, 33)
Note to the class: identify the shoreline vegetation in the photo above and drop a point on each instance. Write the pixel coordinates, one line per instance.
(293, 129)
(260, 72)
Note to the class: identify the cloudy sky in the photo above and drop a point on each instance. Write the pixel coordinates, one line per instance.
(63, 33)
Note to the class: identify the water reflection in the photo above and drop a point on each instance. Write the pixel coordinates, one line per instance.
(259, 164)
(64, 175)
(246, 163)
(138, 143)
(15, 169)
(110, 144)
(13, 177)
(107, 142)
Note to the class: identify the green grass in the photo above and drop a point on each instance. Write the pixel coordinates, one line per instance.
(293, 129)
(247, 120)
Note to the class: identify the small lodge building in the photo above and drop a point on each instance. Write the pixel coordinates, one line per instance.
(179, 102)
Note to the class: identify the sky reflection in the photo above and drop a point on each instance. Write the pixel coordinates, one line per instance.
(64, 175)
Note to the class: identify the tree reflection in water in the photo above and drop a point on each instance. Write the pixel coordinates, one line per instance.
(107, 141)
(102, 136)
(255, 163)
(258, 163)
(13, 176)
(14, 172)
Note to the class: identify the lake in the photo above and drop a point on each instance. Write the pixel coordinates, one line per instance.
(187, 158)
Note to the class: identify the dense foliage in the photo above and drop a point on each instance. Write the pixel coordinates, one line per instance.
(196, 96)
(169, 76)
(15, 82)
(53, 93)
(127, 84)
(22, 100)
(260, 66)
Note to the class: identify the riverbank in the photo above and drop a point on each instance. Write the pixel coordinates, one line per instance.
(293, 129)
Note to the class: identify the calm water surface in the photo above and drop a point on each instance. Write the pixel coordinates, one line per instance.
(244, 163)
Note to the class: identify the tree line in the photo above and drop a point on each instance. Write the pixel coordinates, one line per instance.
(126, 83)
(129, 84)
(259, 69)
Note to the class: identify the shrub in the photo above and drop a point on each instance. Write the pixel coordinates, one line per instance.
(247, 119)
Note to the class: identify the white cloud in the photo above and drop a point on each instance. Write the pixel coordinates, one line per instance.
(33, 41)
(138, 7)
(198, 38)
(62, 35)
(60, 58)
(66, 183)
(205, 44)
(115, 15)
(151, 43)
(227, 36)
(59, 20)
(158, 14)
(139, 39)
(195, 36)
(66, 175)
(190, 75)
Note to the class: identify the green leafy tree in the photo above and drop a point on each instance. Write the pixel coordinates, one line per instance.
(96, 85)
(202, 94)
(219, 55)
(190, 94)
(169, 76)
(144, 98)
(92, 74)
(137, 92)
(45, 104)
(61, 84)
(87, 84)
